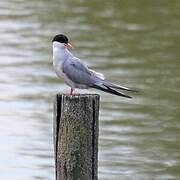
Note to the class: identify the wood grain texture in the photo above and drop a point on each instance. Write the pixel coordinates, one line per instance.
(76, 136)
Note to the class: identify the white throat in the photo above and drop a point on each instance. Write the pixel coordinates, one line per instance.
(60, 53)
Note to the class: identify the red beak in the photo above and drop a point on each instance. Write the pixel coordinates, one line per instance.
(70, 46)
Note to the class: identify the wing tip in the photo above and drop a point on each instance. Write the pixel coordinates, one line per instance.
(115, 86)
(111, 91)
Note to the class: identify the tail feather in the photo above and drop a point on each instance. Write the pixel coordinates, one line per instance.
(115, 86)
(108, 89)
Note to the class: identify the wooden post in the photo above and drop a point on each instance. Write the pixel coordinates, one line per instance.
(76, 136)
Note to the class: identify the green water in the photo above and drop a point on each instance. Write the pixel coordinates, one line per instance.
(134, 43)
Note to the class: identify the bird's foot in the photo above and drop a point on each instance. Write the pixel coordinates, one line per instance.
(71, 92)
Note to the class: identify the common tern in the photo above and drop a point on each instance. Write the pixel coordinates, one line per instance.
(78, 75)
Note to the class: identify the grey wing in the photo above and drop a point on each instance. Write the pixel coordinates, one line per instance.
(79, 73)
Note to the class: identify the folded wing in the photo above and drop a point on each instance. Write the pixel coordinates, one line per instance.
(81, 74)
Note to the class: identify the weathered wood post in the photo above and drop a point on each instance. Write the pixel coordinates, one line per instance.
(76, 136)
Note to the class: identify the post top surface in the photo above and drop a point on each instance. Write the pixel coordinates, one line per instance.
(77, 95)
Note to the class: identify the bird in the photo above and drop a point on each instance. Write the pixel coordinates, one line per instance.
(76, 74)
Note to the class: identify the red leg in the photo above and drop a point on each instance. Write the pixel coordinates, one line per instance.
(71, 93)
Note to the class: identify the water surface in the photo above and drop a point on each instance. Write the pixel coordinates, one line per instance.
(135, 43)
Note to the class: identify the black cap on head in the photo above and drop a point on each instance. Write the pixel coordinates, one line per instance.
(60, 38)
